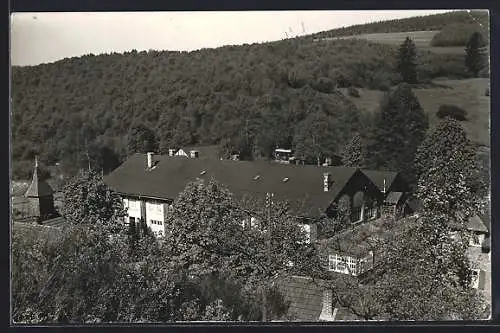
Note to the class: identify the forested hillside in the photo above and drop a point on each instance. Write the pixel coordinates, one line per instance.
(247, 98)
(262, 91)
(417, 23)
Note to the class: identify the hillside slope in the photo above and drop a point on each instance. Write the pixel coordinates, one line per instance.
(418, 23)
(201, 97)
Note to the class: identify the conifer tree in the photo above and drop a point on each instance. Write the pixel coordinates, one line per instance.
(353, 154)
(407, 61)
(399, 128)
(474, 56)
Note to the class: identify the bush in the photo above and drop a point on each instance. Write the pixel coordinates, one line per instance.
(451, 111)
(353, 92)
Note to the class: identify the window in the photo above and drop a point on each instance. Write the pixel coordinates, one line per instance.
(356, 214)
(475, 239)
(475, 274)
(371, 211)
(346, 265)
(131, 219)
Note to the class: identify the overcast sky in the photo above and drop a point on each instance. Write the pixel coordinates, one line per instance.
(46, 37)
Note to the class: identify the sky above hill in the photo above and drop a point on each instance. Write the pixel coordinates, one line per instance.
(47, 37)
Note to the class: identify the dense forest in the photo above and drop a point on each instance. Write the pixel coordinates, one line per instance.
(248, 98)
(417, 23)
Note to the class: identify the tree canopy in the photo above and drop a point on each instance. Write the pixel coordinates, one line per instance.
(253, 95)
(475, 57)
(399, 128)
(407, 61)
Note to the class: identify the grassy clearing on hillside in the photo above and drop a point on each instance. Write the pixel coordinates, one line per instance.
(466, 94)
(422, 40)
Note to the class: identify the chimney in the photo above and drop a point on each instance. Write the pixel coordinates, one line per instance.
(383, 191)
(327, 312)
(193, 153)
(150, 159)
(171, 152)
(326, 181)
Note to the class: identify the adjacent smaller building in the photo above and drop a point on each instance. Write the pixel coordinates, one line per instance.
(37, 202)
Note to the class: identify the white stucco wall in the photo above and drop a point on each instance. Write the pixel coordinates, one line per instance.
(133, 208)
(155, 217)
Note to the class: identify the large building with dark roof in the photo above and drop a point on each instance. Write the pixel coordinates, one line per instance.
(150, 183)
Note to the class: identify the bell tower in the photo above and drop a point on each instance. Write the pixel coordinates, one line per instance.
(40, 196)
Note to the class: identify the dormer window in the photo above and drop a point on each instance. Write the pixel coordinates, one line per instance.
(256, 177)
(285, 179)
(203, 172)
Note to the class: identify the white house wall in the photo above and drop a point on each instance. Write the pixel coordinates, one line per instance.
(155, 217)
(133, 208)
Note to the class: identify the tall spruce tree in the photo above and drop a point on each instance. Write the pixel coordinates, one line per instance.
(399, 128)
(407, 61)
(353, 154)
(474, 55)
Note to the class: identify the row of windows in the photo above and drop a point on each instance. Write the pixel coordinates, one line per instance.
(349, 265)
(346, 265)
(156, 222)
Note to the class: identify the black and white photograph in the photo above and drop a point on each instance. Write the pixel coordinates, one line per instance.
(250, 167)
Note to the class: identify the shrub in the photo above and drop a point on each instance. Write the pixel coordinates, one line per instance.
(353, 92)
(451, 111)
(323, 85)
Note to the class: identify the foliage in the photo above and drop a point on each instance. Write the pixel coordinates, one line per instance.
(211, 236)
(354, 154)
(451, 111)
(448, 178)
(424, 274)
(399, 128)
(322, 134)
(353, 92)
(89, 201)
(407, 62)
(73, 115)
(417, 23)
(141, 140)
(458, 34)
(475, 58)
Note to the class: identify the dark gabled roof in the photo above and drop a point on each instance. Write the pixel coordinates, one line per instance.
(38, 188)
(170, 176)
(304, 297)
(377, 177)
(393, 197)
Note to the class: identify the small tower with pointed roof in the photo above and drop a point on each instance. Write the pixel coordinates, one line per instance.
(40, 196)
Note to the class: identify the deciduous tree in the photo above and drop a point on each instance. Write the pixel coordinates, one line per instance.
(448, 179)
(88, 200)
